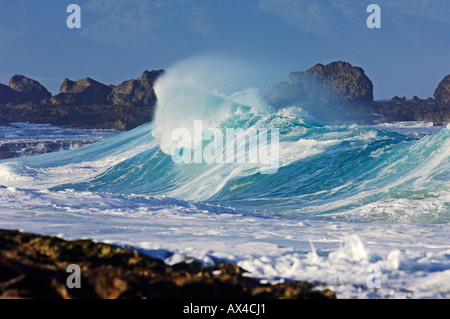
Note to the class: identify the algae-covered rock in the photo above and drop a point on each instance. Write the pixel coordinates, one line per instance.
(33, 266)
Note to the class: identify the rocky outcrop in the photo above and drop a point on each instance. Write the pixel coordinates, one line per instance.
(339, 92)
(435, 110)
(132, 93)
(33, 266)
(332, 93)
(337, 82)
(28, 89)
(82, 92)
(401, 109)
(138, 92)
(442, 93)
(7, 95)
(84, 103)
(22, 89)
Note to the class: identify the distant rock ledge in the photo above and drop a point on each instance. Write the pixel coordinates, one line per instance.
(33, 266)
(84, 103)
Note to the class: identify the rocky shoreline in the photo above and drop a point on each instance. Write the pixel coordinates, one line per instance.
(334, 93)
(34, 266)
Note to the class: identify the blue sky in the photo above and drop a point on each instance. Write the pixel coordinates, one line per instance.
(119, 39)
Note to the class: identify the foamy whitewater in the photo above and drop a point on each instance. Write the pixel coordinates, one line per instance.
(25, 139)
(348, 203)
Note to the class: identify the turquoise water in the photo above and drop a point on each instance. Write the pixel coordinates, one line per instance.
(323, 169)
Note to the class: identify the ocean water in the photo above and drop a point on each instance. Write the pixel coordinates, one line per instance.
(362, 210)
(26, 139)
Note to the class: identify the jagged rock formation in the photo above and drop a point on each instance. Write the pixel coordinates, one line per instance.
(401, 109)
(33, 266)
(138, 92)
(84, 103)
(435, 110)
(82, 92)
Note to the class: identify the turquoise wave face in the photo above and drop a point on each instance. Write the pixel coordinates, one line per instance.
(351, 171)
(323, 170)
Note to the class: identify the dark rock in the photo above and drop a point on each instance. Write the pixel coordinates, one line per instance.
(339, 92)
(96, 105)
(136, 92)
(7, 95)
(442, 94)
(337, 82)
(401, 109)
(82, 92)
(336, 92)
(33, 266)
(85, 104)
(29, 89)
(435, 110)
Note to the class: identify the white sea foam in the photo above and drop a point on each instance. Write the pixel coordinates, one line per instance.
(412, 128)
(411, 258)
